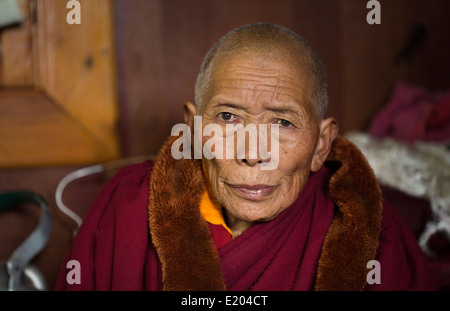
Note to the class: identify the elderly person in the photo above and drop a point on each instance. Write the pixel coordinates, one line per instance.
(315, 222)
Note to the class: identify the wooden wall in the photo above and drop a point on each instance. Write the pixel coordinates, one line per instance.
(159, 45)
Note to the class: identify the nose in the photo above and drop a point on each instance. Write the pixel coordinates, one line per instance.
(250, 162)
(252, 150)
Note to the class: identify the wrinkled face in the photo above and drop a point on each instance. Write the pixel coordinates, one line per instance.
(255, 90)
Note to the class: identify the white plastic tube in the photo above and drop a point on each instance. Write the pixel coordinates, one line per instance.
(90, 170)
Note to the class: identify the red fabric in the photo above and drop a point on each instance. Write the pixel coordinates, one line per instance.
(220, 235)
(402, 262)
(115, 251)
(414, 113)
(113, 245)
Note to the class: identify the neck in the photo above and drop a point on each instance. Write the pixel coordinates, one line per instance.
(237, 226)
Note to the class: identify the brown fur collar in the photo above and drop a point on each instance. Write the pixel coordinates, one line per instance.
(189, 259)
(352, 240)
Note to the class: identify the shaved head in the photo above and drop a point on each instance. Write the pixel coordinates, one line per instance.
(267, 41)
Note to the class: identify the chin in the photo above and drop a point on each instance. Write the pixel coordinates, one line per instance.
(256, 214)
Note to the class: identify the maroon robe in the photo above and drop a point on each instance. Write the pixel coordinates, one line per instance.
(116, 250)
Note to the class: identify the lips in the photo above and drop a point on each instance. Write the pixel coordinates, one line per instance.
(252, 192)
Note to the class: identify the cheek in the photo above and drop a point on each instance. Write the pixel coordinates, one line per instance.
(294, 166)
(295, 157)
(216, 170)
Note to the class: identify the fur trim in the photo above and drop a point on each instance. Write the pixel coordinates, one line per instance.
(352, 240)
(185, 247)
(189, 260)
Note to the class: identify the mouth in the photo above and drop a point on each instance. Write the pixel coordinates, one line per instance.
(252, 192)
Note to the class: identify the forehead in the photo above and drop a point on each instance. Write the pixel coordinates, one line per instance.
(254, 80)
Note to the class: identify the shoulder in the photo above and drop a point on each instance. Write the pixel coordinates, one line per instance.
(120, 207)
(127, 187)
(134, 173)
(127, 179)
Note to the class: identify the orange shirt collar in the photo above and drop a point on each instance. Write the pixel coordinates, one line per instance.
(210, 207)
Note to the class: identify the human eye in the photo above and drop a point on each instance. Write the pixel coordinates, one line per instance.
(284, 123)
(226, 116)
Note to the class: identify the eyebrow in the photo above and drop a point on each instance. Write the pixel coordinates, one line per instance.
(230, 105)
(237, 106)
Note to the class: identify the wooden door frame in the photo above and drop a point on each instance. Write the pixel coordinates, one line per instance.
(68, 114)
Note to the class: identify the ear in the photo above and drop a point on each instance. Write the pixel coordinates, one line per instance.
(189, 112)
(328, 131)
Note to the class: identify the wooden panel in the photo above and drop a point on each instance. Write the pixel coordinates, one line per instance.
(34, 130)
(68, 114)
(17, 52)
(77, 65)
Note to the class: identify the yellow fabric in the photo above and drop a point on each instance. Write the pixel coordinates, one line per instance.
(212, 212)
(211, 209)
